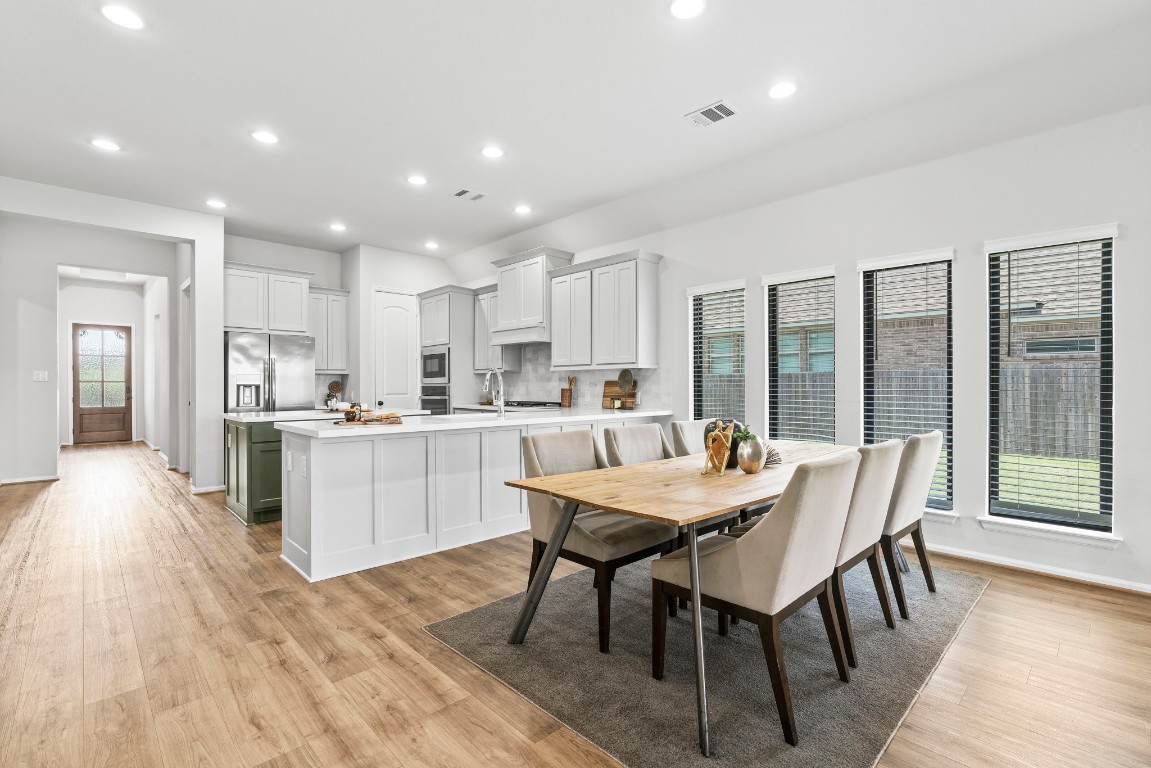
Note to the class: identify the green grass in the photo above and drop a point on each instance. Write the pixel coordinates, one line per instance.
(1065, 484)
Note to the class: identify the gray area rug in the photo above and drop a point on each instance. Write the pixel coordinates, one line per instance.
(613, 701)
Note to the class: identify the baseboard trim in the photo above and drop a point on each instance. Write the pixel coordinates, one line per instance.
(1066, 574)
(145, 442)
(210, 489)
(296, 568)
(20, 480)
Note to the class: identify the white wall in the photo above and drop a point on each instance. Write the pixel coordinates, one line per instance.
(1088, 173)
(159, 354)
(324, 265)
(30, 244)
(366, 268)
(101, 302)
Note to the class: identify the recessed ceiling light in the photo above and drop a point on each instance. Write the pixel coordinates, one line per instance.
(336, 226)
(214, 203)
(125, 17)
(265, 137)
(419, 181)
(687, 9)
(107, 144)
(431, 245)
(781, 90)
(493, 152)
(523, 209)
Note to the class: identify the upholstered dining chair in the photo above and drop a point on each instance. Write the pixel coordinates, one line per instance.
(687, 436)
(771, 572)
(905, 513)
(602, 541)
(866, 516)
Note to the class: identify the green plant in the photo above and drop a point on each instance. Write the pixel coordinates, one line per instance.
(744, 434)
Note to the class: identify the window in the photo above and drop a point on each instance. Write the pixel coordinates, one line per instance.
(801, 360)
(717, 355)
(1051, 384)
(907, 386)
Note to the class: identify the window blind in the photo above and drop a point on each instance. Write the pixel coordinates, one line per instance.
(717, 355)
(801, 360)
(1051, 384)
(907, 361)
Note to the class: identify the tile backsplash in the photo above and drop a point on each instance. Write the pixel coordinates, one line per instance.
(536, 381)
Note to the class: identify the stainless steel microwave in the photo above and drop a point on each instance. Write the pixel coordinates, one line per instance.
(434, 365)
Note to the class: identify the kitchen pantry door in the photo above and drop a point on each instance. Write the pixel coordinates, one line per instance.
(396, 349)
(101, 383)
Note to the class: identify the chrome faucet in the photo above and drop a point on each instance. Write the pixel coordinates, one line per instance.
(498, 398)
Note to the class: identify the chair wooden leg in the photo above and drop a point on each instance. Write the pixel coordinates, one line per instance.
(734, 620)
(880, 585)
(888, 546)
(672, 606)
(537, 555)
(603, 578)
(659, 609)
(921, 550)
(773, 653)
(831, 624)
(840, 597)
(723, 624)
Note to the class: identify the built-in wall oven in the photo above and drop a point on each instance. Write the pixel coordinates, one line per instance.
(434, 398)
(434, 365)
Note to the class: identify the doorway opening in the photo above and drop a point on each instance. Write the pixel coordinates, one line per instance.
(101, 383)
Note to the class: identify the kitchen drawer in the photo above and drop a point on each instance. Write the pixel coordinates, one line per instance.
(264, 432)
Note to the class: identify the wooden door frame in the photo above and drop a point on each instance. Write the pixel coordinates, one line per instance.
(129, 400)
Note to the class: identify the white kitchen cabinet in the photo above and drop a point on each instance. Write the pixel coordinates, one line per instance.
(245, 297)
(613, 313)
(328, 323)
(435, 320)
(259, 299)
(571, 307)
(522, 314)
(485, 354)
(605, 313)
(287, 303)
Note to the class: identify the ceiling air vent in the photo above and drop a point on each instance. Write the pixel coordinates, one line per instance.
(710, 114)
(469, 194)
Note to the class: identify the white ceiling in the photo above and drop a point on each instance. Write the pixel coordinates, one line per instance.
(585, 97)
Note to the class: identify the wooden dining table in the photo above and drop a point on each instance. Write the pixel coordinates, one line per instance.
(672, 491)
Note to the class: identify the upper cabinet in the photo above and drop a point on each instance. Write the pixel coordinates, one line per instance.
(258, 299)
(485, 354)
(605, 313)
(328, 323)
(524, 295)
(435, 320)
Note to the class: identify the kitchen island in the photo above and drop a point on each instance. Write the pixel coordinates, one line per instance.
(355, 497)
(252, 464)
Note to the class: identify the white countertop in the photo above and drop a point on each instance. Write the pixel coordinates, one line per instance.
(315, 415)
(327, 429)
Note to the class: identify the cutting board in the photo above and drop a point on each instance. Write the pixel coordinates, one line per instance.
(611, 390)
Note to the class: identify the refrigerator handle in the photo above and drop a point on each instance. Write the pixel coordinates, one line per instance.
(267, 399)
(272, 379)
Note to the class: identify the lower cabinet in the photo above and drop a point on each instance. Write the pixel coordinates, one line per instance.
(252, 469)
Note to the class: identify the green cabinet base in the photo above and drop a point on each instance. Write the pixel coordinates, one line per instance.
(253, 480)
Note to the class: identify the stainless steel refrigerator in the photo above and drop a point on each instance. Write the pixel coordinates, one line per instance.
(269, 372)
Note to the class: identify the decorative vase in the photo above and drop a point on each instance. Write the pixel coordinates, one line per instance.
(711, 427)
(751, 455)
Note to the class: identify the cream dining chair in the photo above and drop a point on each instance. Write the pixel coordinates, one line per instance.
(905, 513)
(687, 436)
(603, 541)
(771, 572)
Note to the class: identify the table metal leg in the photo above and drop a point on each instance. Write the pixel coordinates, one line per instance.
(901, 559)
(543, 573)
(697, 628)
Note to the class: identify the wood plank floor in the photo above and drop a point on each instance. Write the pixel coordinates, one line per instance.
(140, 625)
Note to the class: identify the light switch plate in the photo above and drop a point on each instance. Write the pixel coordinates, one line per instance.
(39, 375)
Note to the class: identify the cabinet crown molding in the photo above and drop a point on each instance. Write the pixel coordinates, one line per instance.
(531, 253)
(268, 270)
(606, 261)
(328, 291)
